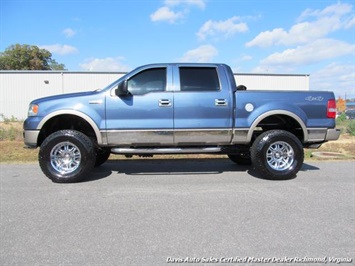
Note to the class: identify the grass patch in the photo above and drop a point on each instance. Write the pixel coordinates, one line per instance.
(14, 151)
(11, 131)
(11, 143)
(345, 145)
(351, 128)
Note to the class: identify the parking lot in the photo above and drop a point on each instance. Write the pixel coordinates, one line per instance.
(156, 212)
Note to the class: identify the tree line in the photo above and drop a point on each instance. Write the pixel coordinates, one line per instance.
(28, 57)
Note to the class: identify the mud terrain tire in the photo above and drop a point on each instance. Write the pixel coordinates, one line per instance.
(277, 154)
(67, 156)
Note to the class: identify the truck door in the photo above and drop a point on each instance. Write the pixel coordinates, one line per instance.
(145, 115)
(203, 106)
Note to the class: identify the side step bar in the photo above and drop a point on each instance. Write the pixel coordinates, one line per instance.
(165, 150)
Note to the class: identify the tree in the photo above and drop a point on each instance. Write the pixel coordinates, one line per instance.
(341, 105)
(28, 57)
(55, 66)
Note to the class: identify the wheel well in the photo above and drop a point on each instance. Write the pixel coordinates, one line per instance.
(283, 122)
(61, 122)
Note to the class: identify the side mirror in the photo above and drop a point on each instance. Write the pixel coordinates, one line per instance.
(122, 89)
(241, 88)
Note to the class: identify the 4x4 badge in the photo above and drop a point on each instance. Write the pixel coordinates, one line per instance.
(316, 98)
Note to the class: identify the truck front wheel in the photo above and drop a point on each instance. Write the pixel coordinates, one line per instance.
(67, 156)
(102, 155)
(277, 154)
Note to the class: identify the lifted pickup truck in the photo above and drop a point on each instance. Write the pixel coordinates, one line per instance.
(179, 109)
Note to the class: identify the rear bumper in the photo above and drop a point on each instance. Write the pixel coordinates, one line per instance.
(30, 138)
(332, 134)
(320, 135)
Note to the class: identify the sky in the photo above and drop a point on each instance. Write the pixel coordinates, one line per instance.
(252, 36)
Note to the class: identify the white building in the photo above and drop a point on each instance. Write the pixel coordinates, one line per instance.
(18, 88)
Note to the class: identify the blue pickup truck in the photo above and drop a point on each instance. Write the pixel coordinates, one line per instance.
(179, 109)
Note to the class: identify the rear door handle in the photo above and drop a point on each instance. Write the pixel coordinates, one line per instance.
(164, 103)
(221, 102)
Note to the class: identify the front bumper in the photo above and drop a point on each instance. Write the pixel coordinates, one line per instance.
(30, 138)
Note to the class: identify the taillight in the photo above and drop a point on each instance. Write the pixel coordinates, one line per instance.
(332, 109)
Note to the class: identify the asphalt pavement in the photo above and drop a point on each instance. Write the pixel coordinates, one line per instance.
(190, 212)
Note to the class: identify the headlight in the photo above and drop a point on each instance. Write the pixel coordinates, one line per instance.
(33, 110)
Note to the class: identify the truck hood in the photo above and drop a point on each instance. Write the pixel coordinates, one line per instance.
(63, 96)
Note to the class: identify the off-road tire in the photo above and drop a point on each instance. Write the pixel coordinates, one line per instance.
(102, 155)
(67, 156)
(277, 155)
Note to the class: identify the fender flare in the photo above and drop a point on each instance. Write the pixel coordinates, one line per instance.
(76, 113)
(277, 112)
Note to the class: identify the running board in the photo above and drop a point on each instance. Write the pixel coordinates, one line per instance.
(165, 150)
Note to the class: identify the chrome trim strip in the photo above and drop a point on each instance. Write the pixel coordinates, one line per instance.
(215, 136)
(104, 137)
(240, 136)
(169, 136)
(172, 130)
(95, 102)
(137, 130)
(202, 129)
(139, 137)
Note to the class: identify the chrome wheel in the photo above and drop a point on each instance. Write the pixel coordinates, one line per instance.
(65, 157)
(280, 156)
(277, 154)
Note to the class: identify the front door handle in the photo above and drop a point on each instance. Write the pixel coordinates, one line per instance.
(221, 102)
(164, 103)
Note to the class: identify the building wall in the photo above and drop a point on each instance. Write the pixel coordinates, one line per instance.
(18, 88)
(273, 82)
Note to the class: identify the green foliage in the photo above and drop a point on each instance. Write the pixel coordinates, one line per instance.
(10, 133)
(27, 57)
(351, 128)
(341, 118)
(56, 66)
(10, 128)
(8, 120)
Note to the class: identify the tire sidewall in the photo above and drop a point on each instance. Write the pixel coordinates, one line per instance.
(102, 156)
(81, 141)
(259, 154)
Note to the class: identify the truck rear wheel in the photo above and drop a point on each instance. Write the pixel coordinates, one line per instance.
(277, 154)
(67, 156)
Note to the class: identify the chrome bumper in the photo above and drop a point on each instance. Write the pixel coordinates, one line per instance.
(332, 134)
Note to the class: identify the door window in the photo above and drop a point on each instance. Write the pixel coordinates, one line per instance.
(199, 79)
(150, 80)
